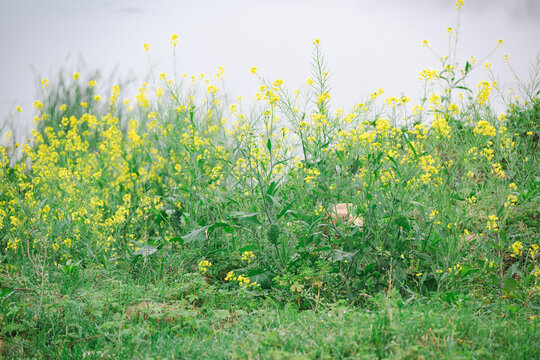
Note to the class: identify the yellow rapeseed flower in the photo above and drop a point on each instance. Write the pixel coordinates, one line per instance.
(533, 250)
(38, 105)
(516, 248)
(485, 88)
(204, 265)
(428, 74)
(248, 256)
(440, 125)
(483, 127)
(174, 39)
(492, 223)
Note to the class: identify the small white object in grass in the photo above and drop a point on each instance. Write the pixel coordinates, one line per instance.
(345, 212)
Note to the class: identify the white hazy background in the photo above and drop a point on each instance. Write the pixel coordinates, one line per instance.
(369, 44)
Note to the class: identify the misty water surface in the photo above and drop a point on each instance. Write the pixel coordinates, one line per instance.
(368, 44)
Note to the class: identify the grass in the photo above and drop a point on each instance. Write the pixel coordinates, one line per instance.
(116, 317)
(177, 225)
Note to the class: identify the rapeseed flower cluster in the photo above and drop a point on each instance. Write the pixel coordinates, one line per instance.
(485, 128)
(248, 256)
(204, 265)
(533, 250)
(114, 177)
(492, 223)
(242, 281)
(516, 249)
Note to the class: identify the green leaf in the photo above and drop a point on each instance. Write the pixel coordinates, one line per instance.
(196, 235)
(251, 247)
(177, 239)
(225, 226)
(421, 255)
(403, 222)
(246, 219)
(378, 159)
(146, 250)
(463, 88)
(339, 255)
(509, 285)
(273, 233)
(272, 188)
(274, 201)
(13, 327)
(262, 279)
(512, 269)
(396, 166)
(369, 267)
(201, 233)
(457, 197)
(287, 209)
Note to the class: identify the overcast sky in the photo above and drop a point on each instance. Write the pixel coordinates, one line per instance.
(368, 43)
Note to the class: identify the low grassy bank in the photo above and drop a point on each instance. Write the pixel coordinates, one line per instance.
(116, 317)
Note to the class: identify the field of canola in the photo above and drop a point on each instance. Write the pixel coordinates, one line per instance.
(193, 203)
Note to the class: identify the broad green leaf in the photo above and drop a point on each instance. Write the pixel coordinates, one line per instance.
(246, 219)
(339, 255)
(225, 226)
(403, 222)
(272, 188)
(146, 250)
(251, 247)
(274, 201)
(509, 285)
(273, 233)
(196, 235)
